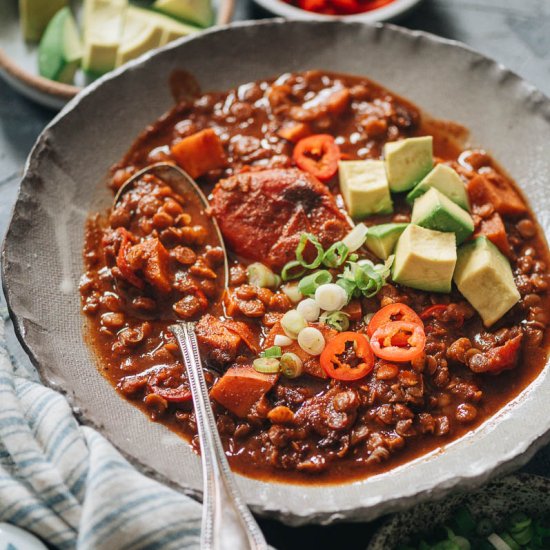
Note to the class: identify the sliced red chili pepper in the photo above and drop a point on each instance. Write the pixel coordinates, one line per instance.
(497, 359)
(318, 155)
(398, 341)
(122, 263)
(347, 357)
(433, 311)
(178, 394)
(392, 312)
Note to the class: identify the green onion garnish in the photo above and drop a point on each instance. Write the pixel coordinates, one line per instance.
(292, 270)
(304, 239)
(336, 255)
(266, 365)
(337, 320)
(261, 276)
(310, 283)
(273, 351)
(291, 365)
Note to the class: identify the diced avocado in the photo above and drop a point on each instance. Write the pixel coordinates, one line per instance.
(103, 26)
(381, 239)
(170, 28)
(35, 16)
(408, 161)
(60, 49)
(425, 259)
(484, 277)
(194, 11)
(446, 180)
(139, 35)
(364, 187)
(434, 210)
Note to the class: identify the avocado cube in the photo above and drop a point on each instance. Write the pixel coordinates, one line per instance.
(408, 161)
(446, 180)
(425, 259)
(199, 12)
(35, 16)
(484, 277)
(381, 239)
(364, 186)
(434, 210)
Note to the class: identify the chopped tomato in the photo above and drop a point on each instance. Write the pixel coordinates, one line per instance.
(433, 311)
(398, 341)
(497, 359)
(347, 356)
(318, 155)
(122, 262)
(392, 312)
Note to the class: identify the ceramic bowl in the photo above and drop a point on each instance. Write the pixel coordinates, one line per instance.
(64, 181)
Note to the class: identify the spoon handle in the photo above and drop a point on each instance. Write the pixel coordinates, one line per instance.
(227, 523)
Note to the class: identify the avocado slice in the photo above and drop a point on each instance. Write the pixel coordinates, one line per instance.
(139, 35)
(425, 259)
(364, 186)
(446, 180)
(408, 161)
(35, 15)
(60, 49)
(436, 211)
(381, 239)
(103, 26)
(484, 277)
(199, 12)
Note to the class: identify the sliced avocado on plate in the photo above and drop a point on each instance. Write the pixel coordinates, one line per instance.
(364, 186)
(35, 15)
(445, 180)
(425, 259)
(434, 210)
(484, 277)
(381, 239)
(60, 49)
(199, 12)
(408, 161)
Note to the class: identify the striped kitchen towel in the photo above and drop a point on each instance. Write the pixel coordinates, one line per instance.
(69, 486)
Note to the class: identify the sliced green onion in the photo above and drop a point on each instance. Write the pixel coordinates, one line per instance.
(292, 292)
(353, 257)
(292, 270)
(304, 239)
(260, 275)
(310, 283)
(367, 318)
(291, 365)
(311, 340)
(336, 255)
(337, 320)
(309, 310)
(349, 287)
(518, 522)
(498, 542)
(273, 351)
(331, 297)
(292, 323)
(266, 365)
(356, 237)
(281, 340)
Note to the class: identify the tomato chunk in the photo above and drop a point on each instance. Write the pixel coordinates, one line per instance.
(318, 155)
(398, 341)
(433, 311)
(347, 357)
(392, 312)
(497, 359)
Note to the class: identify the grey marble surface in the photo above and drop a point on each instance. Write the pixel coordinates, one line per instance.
(514, 32)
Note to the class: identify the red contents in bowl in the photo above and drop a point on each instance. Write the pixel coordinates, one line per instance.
(339, 7)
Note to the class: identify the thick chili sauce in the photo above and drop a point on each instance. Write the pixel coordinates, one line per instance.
(366, 427)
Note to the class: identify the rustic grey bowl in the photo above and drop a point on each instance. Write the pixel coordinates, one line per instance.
(63, 179)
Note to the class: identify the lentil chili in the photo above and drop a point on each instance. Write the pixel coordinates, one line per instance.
(150, 260)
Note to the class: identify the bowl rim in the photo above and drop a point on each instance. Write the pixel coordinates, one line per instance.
(389, 12)
(65, 92)
(369, 507)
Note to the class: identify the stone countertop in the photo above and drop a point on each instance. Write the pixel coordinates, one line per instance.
(514, 32)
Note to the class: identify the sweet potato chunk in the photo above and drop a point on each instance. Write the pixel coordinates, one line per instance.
(493, 188)
(262, 214)
(153, 260)
(218, 343)
(493, 228)
(240, 388)
(200, 153)
(295, 132)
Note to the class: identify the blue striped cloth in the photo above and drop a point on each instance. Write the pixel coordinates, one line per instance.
(66, 484)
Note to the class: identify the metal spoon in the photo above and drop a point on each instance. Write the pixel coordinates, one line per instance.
(227, 523)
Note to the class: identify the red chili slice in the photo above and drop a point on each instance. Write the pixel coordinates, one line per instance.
(347, 357)
(433, 311)
(392, 312)
(177, 394)
(318, 155)
(398, 341)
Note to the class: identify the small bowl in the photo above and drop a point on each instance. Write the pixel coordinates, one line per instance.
(392, 11)
(497, 501)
